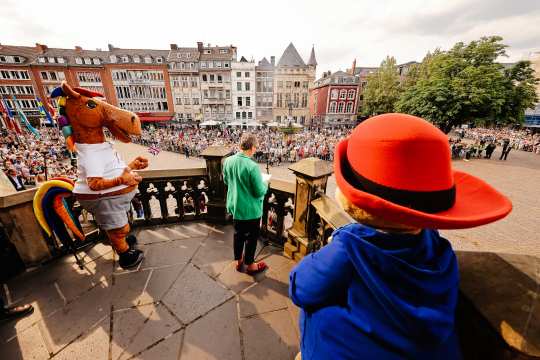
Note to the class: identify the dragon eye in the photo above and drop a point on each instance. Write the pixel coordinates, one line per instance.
(91, 104)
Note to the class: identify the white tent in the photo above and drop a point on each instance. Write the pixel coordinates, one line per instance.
(296, 125)
(209, 123)
(273, 124)
(235, 123)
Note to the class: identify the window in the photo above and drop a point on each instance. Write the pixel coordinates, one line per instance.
(87, 61)
(112, 58)
(125, 59)
(239, 100)
(226, 64)
(159, 60)
(41, 59)
(239, 86)
(219, 79)
(97, 61)
(305, 84)
(248, 101)
(250, 115)
(204, 78)
(334, 94)
(278, 119)
(187, 100)
(351, 94)
(238, 114)
(136, 59)
(44, 75)
(304, 100)
(195, 101)
(51, 59)
(238, 74)
(349, 107)
(148, 59)
(203, 64)
(212, 78)
(342, 94)
(194, 82)
(217, 64)
(223, 51)
(280, 84)
(246, 74)
(297, 84)
(340, 107)
(279, 100)
(207, 51)
(288, 84)
(333, 107)
(178, 101)
(247, 86)
(227, 94)
(78, 60)
(243, 114)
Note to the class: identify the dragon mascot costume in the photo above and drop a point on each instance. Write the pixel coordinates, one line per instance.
(105, 184)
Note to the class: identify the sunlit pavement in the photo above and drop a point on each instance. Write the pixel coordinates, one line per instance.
(185, 301)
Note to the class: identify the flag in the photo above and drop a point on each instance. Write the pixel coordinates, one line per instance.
(154, 150)
(11, 124)
(25, 120)
(43, 111)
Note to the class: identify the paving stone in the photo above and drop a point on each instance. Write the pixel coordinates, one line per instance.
(93, 345)
(28, 345)
(269, 336)
(276, 262)
(71, 321)
(234, 280)
(220, 325)
(169, 253)
(167, 349)
(213, 258)
(152, 235)
(136, 329)
(268, 295)
(194, 294)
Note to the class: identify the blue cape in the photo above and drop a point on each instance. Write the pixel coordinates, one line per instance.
(374, 295)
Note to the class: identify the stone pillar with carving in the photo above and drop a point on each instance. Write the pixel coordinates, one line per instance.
(214, 157)
(311, 180)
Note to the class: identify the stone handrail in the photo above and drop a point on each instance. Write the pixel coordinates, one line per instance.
(278, 202)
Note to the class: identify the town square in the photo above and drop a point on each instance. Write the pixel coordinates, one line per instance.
(274, 181)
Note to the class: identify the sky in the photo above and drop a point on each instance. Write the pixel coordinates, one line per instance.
(340, 30)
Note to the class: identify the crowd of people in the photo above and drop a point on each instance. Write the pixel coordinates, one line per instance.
(27, 160)
(23, 155)
(273, 146)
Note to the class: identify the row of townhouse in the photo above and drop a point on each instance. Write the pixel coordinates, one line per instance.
(199, 83)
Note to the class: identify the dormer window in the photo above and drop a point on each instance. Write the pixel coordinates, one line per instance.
(2, 59)
(51, 59)
(96, 61)
(137, 59)
(207, 51)
(112, 58)
(224, 51)
(159, 60)
(148, 59)
(125, 59)
(78, 60)
(60, 60)
(17, 59)
(87, 61)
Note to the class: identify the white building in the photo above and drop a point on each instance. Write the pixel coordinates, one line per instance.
(243, 90)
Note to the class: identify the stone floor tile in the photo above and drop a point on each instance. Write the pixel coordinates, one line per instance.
(269, 336)
(234, 280)
(28, 345)
(193, 294)
(215, 336)
(152, 235)
(129, 289)
(77, 317)
(213, 258)
(165, 350)
(276, 261)
(136, 329)
(92, 345)
(169, 253)
(268, 295)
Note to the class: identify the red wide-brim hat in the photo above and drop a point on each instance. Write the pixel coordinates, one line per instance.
(398, 167)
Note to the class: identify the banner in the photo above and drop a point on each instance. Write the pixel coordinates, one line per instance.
(25, 120)
(43, 111)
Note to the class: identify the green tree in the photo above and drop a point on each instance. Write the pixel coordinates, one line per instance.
(465, 84)
(382, 90)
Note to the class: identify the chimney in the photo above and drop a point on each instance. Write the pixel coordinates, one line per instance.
(174, 47)
(199, 46)
(41, 48)
(353, 66)
(273, 60)
(111, 48)
(78, 49)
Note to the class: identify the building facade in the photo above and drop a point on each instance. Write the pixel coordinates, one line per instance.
(292, 80)
(215, 81)
(333, 100)
(243, 91)
(264, 87)
(183, 64)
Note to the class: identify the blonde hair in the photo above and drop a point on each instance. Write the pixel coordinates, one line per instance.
(366, 218)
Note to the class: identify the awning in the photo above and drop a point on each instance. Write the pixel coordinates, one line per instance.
(155, 118)
(209, 123)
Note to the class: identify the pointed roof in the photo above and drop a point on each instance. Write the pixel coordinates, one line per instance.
(291, 57)
(243, 59)
(312, 61)
(264, 62)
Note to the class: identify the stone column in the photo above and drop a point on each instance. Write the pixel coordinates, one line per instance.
(311, 179)
(214, 157)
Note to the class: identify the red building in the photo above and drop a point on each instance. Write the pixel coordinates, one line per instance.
(333, 100)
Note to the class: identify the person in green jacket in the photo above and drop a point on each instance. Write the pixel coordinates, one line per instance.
(245, 194)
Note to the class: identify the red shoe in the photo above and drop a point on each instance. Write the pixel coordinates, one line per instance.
(261, 267)
(240, 265)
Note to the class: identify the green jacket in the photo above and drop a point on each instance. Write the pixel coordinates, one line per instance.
(245, 187)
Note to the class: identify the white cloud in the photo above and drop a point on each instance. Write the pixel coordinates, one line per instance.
(341, 30)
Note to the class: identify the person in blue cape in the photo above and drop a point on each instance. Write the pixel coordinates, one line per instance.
(386, 286)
